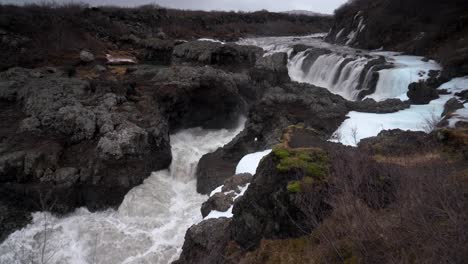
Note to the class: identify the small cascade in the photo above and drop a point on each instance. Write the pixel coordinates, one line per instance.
(148, 227)
(341, 74)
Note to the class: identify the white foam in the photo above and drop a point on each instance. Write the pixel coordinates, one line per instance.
(148, 227)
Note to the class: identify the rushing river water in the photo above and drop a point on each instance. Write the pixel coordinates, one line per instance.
(148, 227)
(150, 224)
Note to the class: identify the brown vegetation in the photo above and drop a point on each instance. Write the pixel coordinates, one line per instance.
(36, 35)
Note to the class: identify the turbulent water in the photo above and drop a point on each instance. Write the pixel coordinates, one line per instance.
(148, 227)
(344, 71)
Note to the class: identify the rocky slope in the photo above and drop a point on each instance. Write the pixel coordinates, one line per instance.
(44, 35)
(317, 202)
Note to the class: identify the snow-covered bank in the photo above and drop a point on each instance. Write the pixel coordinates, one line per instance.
(417, 118)
(248, 164)
(148, 227)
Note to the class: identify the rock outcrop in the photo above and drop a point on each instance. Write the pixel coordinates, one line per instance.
(229, 56)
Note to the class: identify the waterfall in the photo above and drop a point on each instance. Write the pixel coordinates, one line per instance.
(338, 73)
(148, 227)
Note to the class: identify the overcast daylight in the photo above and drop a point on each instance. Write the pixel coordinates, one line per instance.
(320, 6)
(233, 131)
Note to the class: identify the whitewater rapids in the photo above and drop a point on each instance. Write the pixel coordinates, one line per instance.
(148, 227)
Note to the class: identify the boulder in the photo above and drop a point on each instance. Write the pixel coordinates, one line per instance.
(218, 202)
(421, 93)
(233, 183)
(451, 106)
(205, 243)
(271, 69)
(86, 56)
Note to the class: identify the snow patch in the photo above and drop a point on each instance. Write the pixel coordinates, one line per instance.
(250, 162)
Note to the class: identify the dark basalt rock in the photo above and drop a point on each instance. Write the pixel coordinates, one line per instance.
(451, 106)
(205, 243)
(387, 106)
(213, 53)
(233, 183)
(289, 104)
(421, 93)
(271, 69)
(157, 51)
(218, 202)
(74, 144)
(194, 96)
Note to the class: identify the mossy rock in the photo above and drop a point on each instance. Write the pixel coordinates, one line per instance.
(312, 161)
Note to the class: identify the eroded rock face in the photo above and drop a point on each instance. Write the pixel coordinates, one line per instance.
(71, 144)
(289, 104)
(190, 96)
(271, 69)
(205, 243)
(214, 53)
(218, 202)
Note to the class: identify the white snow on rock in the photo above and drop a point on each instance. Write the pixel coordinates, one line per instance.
(212, 40)
(228, 213)
(416, 118)
(112, 59)
(250, 162)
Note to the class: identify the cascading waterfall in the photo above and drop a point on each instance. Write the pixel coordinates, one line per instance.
(340, 74)
(148, 227)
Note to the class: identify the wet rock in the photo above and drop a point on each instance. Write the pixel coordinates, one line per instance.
(205, 242)
(86, 56)
(218, 202)
(463, 95)
(233, 183)
(421, 93)
(194, 96)
(289, 104)
(451, 106)
(387, 106)
(271, 69)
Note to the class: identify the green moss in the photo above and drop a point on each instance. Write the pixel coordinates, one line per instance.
(281, 152)
(313, 162)
(294, 187)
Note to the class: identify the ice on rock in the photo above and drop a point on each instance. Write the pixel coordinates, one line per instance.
(250, 162)
(364, 125)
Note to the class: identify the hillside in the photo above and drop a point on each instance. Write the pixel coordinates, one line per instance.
(437, 29)
(44, 34)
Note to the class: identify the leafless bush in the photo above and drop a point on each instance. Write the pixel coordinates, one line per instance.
(430, 122)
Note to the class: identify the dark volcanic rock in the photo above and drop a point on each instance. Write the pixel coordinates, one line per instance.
(213, 53)
(387, 106)
(205, 243)
(281, 107)
(271, 69)
(233, 183)
(157, 51)
(421, 93)
(451, 106)
(268, 210)
(218, 202)
(73, 143)
(193, 96)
